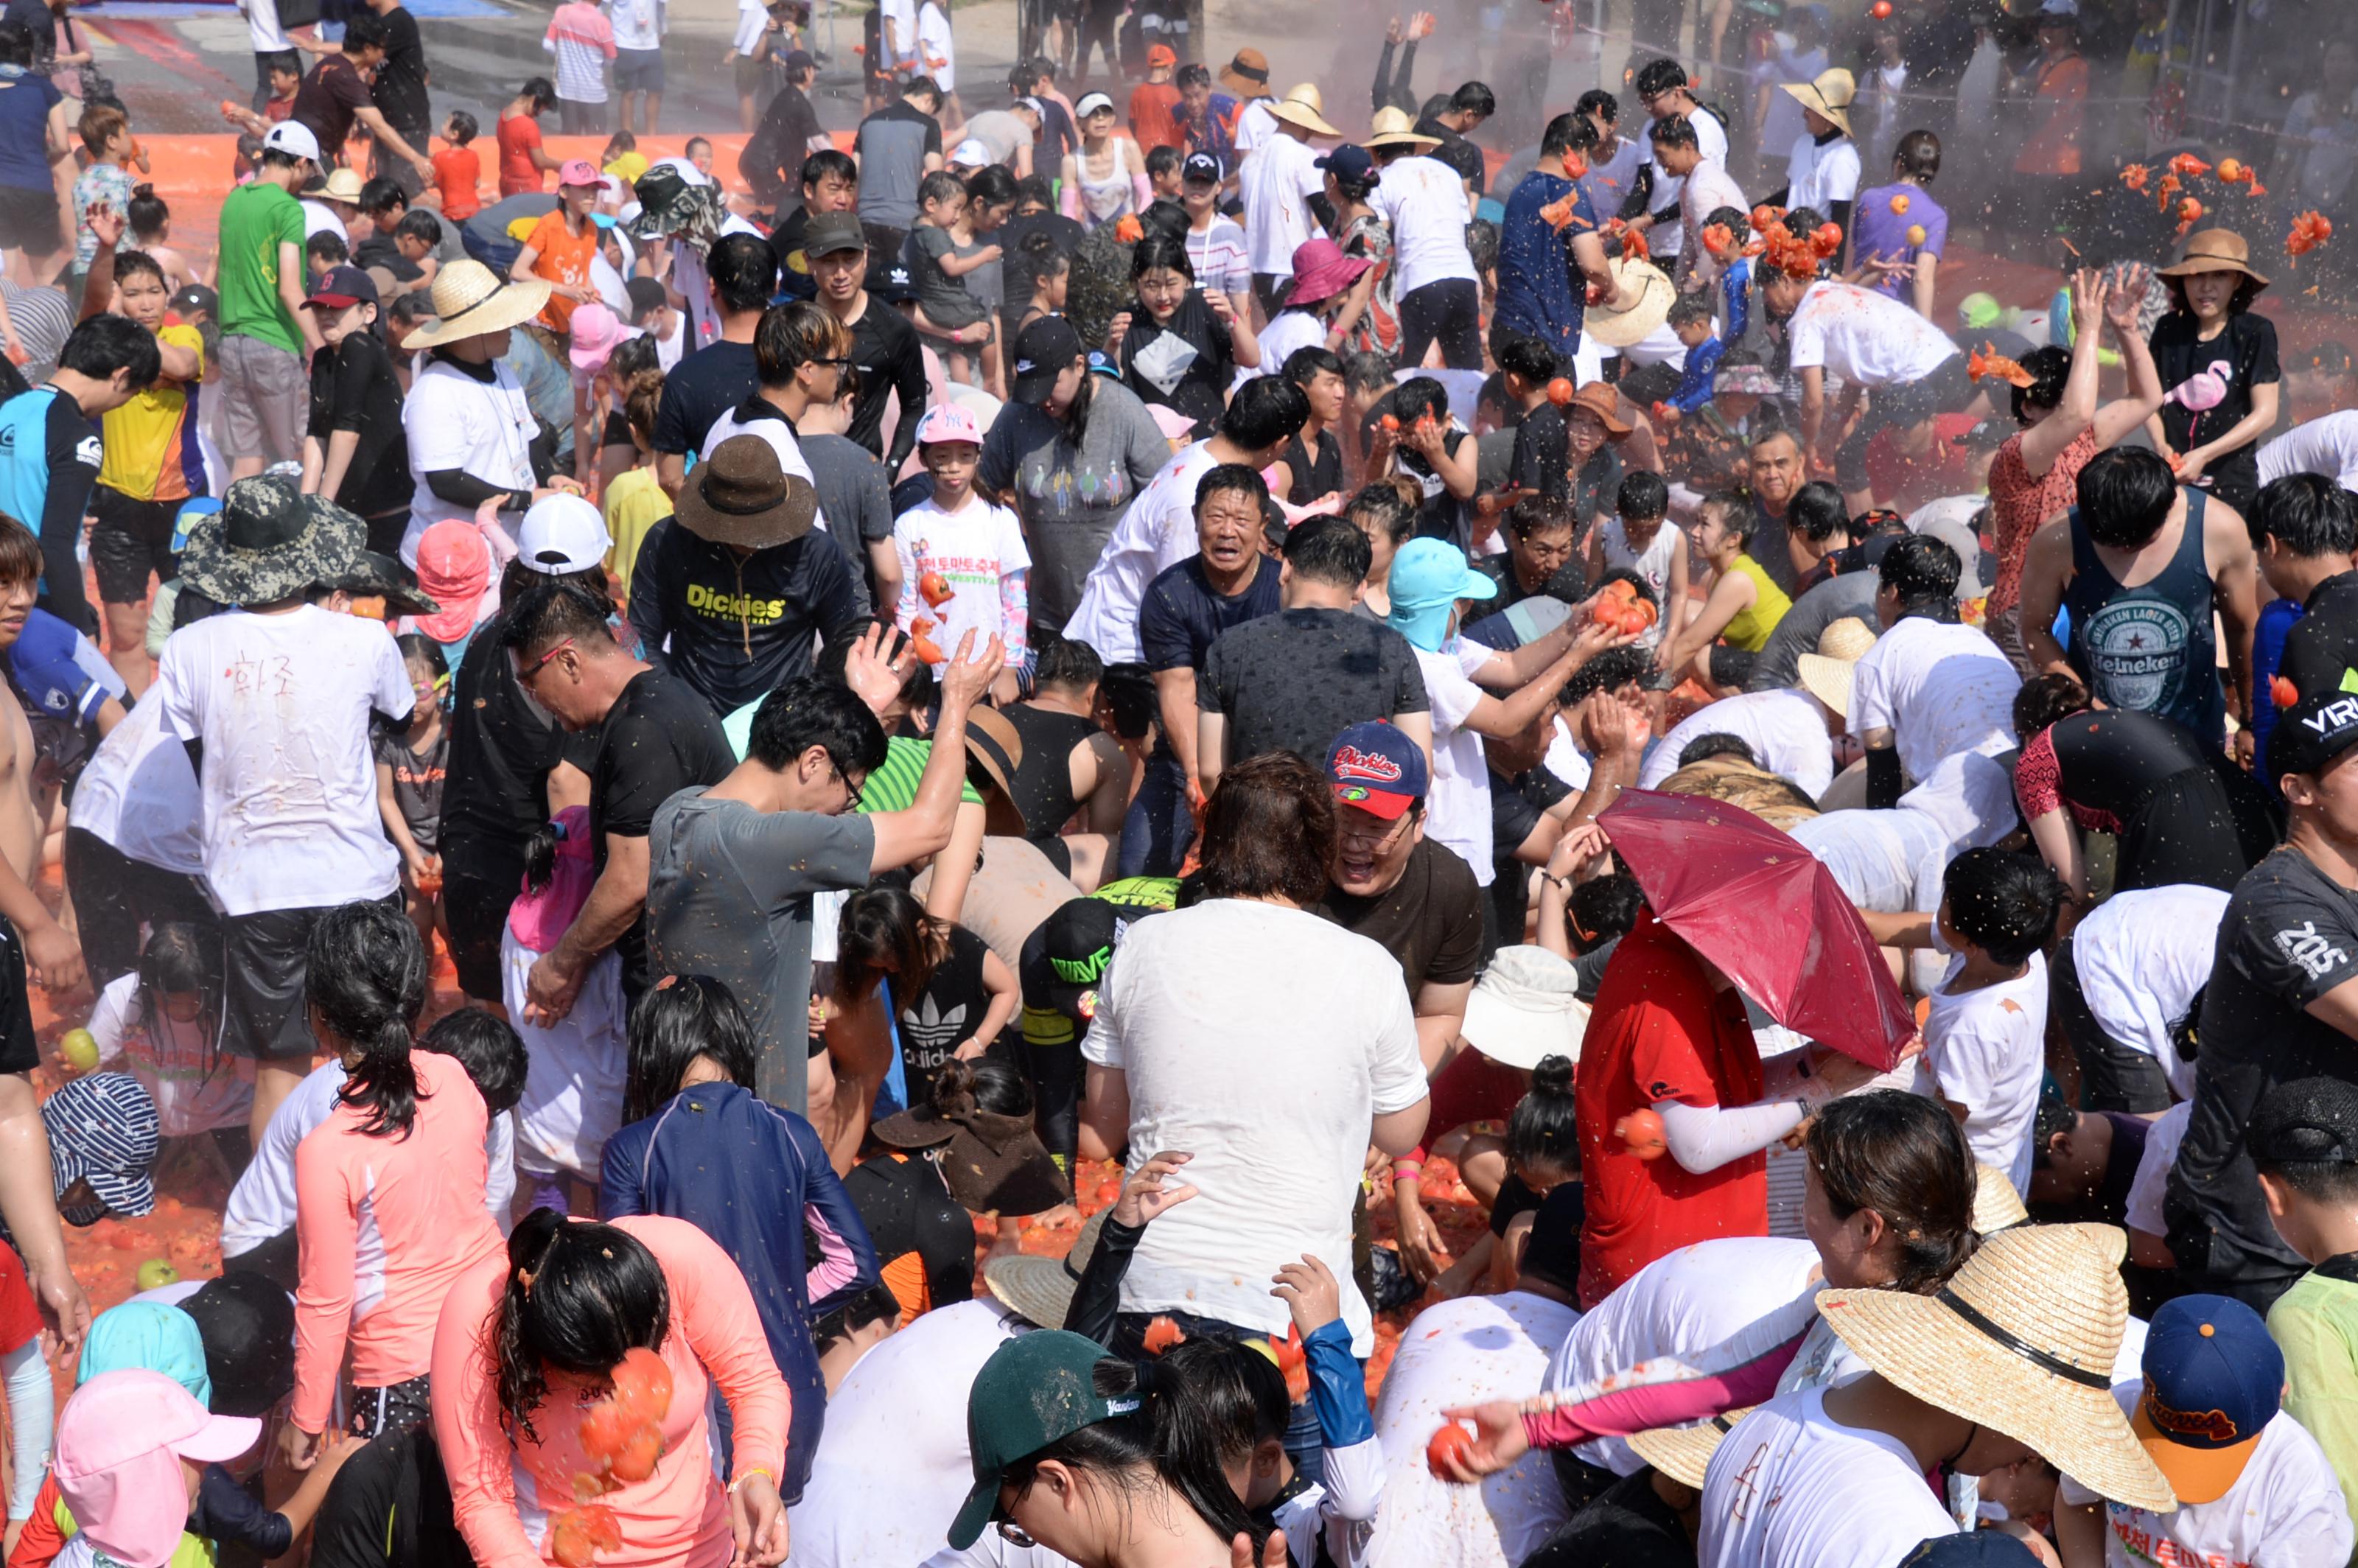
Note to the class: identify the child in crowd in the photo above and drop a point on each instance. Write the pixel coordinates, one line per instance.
(652, 313)
(1166, 174)
(1691, 319)
(459, 168)
(699, 153)
(572, 1098)
(2304, 1141)
(323, 253)
(105, 133)
(1638, 538)
(622, 158)
(1984, 1036)
(418, 236)
(103, 1133)
(974, 546)
(410, 767)
(562, 243)
(151, 231)
(951, 996)
(1512, 1175)
(939, 262)
(1049, 271)
(162, 1023)
(635, 501)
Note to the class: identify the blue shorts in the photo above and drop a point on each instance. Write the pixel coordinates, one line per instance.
(638, 70)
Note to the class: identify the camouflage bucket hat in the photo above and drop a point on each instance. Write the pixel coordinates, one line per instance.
(270, 542)
(668, 204)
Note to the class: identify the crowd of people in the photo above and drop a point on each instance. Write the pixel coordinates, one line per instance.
(1674, 821)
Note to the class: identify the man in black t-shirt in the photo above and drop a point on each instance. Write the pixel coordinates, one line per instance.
(885, 353)
(1472, 104)
(775, 154)
(399, 89)
(719, 376)
(2282, 1003)
(2309, 525)
(656, 738)
(336, 95)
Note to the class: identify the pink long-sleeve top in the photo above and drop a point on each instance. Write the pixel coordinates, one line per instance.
(503, 1488)
(385, 1226)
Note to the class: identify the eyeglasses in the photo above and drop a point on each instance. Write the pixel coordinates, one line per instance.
(837, 361)
(1383, 839)
(526, 673)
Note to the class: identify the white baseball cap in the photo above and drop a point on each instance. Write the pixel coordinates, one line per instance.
(292, 137)
(970, 153)
(562, 534)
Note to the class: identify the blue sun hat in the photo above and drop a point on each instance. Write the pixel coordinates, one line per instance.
(1428, 577)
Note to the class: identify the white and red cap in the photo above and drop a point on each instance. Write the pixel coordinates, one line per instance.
(1378, 768)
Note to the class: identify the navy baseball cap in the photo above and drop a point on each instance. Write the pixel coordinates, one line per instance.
(1378, 768)
(2213, 1380)
(1202, 166)
(1349, 161)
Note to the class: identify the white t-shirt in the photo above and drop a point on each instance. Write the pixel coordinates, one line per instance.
(2328, 445)
(2142, 957)
(1889, 862)
(261, 1205)
(934, 44)
(1820, 173)
(1684, 1301)
(638, 23)
(196, 1085)
(453, 421)
(2286, 1508)
(1158, 531)
(1457, 806)
(1785, 728)
(901, 16)
(1256, 125)
(1705, 188)
(262, 24)
(1985, 1050)
(139, 794)
(1940, 690)
(1290, 331)
(1710, 139)
(1423, 200)
(282, 705)
(974, 547)
(1272, 185)
(1790, 1488)
(2150, 1185)
(319, 218)
(1303, 1016)
(1862, 335)
(1465, 1352)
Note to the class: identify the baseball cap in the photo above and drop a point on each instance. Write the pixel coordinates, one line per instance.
(947, 422)
(1079, 941)
(343, 287)
(2213, 1380)
(582, 171)
(120, 1441)
(801, 60)
(1042, 350)
(888, 280)
(970, 153)
(1159, 55)
(828, 233)
(1375, 767)
(1433, 572)
(293, 137)
(1349, 161)
(247, 1325)
(562, 534)
(1202, 166)
(2306, 1121)
(1031, 1392)
(197, 296)
(102, 1130)
(2314, 732)
(596, 333)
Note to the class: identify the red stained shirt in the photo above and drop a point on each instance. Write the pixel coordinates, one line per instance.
(2019, 503)
(1659, 1032)
(518, 136)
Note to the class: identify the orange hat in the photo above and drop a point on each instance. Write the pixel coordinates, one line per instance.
(1159, 56)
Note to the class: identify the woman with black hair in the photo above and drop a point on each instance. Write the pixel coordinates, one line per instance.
(388, 1191)
(528, 1343)
(952, 996)
(1176, 345)
(700, 1146)
(1900, 222)
(2218, 363)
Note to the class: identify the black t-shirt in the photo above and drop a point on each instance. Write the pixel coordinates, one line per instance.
(2289, 935)
(2324, 641)
(771, 162)
(1628, 1526)
(699, 391)
(1191, 374)
(1431, 920)
(378, 249)
(1440, 514)
(1294, 680)
(907, 1208)
(1314, 475)
(1543, 454)
(503, 748)
(887, 354)
(658, 739)
(1515, 1197)
(400, 88)
(738, 627)
(1568, 582)
(935, 1020)
(1455, 151)
(354, 388)
(389, 1504)
(327, 98)
(2248, 349)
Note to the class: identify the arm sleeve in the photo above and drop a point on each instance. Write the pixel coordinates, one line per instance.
(909, 381)
(1381, 93)
(227, 1511)
(724, 1329)
(328, 1233)
(476, 1454)
(460, 488)
(1668, 1391)
(1884, 778)
(1339, 1394)
(1703, 1138)
(32, 1422)
(847, 1256)
(1015, 614)
(73, 459)
(1098, 1298)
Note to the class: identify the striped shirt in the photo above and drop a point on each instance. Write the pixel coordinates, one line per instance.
(583, 41)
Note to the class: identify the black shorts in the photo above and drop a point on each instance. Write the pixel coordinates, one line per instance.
(19, 1052)
(129, 542)
(479, 886)
(28, 221)
(265, 963)
(2112, 1076)
(114, 895)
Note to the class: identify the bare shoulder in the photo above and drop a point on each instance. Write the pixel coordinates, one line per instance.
(2226, 537)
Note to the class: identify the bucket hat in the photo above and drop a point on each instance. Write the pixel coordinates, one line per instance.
(1653, 294)
(120, 1441)
(1526, 1006)
(740, 496)
(1321, 271)
(2215, 250)
(991, 1164)
(1248, 72)
(270, 541)
(454, 566)
(1428, 577)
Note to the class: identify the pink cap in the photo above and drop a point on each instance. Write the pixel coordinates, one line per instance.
(947, 422)
(596, 331)
(120, 1441)
(454, 567)
(582, 171)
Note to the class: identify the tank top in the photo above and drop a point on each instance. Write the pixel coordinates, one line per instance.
(1042, 786)
(2150, 649)
(1654, 564)
(1749, 629)
(1105, 199)
(1312, 476)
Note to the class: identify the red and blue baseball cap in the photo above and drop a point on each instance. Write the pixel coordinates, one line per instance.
(2213, 1380)
(1378, 768)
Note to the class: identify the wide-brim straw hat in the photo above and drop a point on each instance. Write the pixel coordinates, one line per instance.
(1683, 1453)
(1826, 675)
(1996, 1206)
(1829, 95)
(1655, 296)
(1248, 72)
(1303, 106)
(469, 300)
(1393, 128)
(1040, 1289)
(2023, 1341)
(2215, 250)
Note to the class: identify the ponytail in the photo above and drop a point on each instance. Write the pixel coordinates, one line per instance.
(579, 1295)
(1543, 1129)
(540, 855)
(365, 981)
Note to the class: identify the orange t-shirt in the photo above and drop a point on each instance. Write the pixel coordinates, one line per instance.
(1151, 106)
(457, 173)
(2054, 148)
(563, 258)
(518, 134)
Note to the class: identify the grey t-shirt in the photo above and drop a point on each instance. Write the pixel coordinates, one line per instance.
(1294, 680)
(891, 144)
(1001, 132)
(946, 299)
(1778, 663)
(857, 502)
(729, 894)
(1071, 496)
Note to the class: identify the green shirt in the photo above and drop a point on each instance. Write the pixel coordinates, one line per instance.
(893, 787)
(2316, 1326)
(255, 219)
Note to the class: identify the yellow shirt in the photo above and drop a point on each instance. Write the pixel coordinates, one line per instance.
(151, 447)
(634, 503)
(1749, 631)
(628, 168)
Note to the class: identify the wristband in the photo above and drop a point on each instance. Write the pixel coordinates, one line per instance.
(743, 1476)
(1406, 1169)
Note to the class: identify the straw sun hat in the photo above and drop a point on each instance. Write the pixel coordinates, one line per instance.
(469, 300)
(1826, 673)
(1654, 296)
(1830, 94)
(1393, 128)
(2215, 250)
(1303, 106)
(1040, 1289)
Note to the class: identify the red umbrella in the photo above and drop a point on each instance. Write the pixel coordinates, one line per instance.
(1769, 914)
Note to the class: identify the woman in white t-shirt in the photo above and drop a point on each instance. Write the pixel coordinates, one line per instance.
(1822, 172)
(468, 426)
(964, 566)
